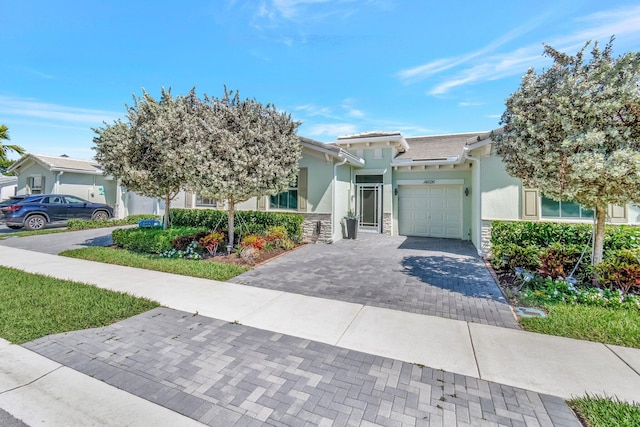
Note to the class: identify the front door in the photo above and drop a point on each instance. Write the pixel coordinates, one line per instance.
(370, 206)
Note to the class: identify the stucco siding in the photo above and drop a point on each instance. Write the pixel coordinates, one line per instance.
(501, 193)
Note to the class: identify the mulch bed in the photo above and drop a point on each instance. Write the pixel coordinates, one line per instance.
(262, 257)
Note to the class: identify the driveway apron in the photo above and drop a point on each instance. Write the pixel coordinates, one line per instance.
(438, 277)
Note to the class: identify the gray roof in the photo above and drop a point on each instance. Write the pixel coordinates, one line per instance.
(372, 134)
(4, 179)
(439, 147)
(320, 145)
(65, 163)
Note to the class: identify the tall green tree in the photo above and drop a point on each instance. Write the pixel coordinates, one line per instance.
(573, 131)
(4, 148)
(152, 151)
(246, 150)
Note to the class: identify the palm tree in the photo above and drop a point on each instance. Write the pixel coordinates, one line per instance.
(4, 136)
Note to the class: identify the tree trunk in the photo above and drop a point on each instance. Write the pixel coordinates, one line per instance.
(232, 205)
(167, 205)
(598, 241)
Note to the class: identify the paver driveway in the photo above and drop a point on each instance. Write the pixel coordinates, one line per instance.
(439, 277)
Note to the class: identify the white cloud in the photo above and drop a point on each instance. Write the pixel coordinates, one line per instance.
(470, 104)
(19, 107)
(313, 110)
(332, 130)
(483, 65)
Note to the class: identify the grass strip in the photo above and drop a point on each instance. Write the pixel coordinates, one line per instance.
(599, 324)
(33, 306)
(596, 411)
(195, 268)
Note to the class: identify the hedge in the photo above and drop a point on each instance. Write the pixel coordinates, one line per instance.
(542, 234)
(150, 240)
(83, 224)
(246, 222)
(554, 249)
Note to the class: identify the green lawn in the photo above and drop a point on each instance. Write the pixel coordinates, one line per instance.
(203, 269)
(25, 233)
(33, 306)
(606, 412)
(606, 325)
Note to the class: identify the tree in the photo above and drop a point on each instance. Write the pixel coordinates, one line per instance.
(246, 150)
(573, 131)
(4, 136)
(152, 153)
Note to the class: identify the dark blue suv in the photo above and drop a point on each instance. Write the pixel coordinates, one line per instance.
(35, 211)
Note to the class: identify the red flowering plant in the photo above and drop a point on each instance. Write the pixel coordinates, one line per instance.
(211, 241)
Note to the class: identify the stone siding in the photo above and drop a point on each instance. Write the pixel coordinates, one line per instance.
(387, 224)
(485, 243)
(317, 228)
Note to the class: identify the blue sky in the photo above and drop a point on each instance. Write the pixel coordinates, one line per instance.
(338, 66)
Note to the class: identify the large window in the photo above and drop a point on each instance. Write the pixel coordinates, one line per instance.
(285, 200)
(570, 210)
(205, 201)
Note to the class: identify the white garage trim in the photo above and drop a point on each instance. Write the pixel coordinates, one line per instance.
(430, 181)
(431, 210)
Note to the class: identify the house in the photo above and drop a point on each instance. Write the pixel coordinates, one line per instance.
(8, 186)
(447, 186)
(40, 174)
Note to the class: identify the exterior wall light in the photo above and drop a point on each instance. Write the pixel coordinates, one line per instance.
(466, 191)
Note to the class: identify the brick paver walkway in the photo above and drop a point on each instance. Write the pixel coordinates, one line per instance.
(438, 277)
(226, 374)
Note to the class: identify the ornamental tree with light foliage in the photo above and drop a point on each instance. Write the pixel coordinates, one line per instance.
(246, 150)
(152, 152)
(573, 131)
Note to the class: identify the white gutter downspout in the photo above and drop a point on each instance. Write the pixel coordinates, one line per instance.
(476, 193)
(57, 190)
(334, 198)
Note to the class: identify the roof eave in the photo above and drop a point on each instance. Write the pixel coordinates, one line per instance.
(458, 160)
(385, 138)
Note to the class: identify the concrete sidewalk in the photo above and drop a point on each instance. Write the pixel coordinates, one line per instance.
(545, 364)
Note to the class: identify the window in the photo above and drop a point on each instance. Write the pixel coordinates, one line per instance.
(205, 201)
(369, 179)
(35, 184)
(558, 209)
(75, 200)
(285, 200)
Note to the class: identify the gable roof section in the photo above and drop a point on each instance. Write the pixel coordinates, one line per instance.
(331, 150)
(59, 164)
(367, 138)
(441, 149)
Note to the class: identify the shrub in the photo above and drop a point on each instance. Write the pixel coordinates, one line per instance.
(514, 255)
(253, 241)
(211, 241)
(276, 233)
(83, 224)
(621, 271)
(181, 243)
(246, 222)
(560, 260)
(542, 234)
(149, 240)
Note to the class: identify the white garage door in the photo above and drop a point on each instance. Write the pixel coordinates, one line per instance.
(430, 210)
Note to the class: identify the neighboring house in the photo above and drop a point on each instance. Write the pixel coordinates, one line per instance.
(447, 186)
(8, 186)
(40, 174)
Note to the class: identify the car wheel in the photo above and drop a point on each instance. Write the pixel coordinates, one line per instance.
(35, 222)
(100, 216)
